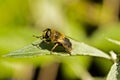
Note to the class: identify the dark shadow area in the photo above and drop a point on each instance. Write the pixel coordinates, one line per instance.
(119, 14)
(49, 46)
(90, 29)
(96, 1)
(36, 73)
(95, 70)
(61, 75)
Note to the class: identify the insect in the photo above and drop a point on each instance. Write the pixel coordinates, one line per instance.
(59, 39)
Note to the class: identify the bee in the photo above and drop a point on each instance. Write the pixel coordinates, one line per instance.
(57, 38)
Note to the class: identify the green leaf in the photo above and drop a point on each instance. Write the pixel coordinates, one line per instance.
(114, 41)
(114, 73)
(79, 48)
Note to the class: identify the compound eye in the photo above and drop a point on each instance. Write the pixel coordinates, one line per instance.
(47, 35)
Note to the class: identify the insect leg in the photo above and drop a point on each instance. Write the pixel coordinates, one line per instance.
(37, 36)
(69, 53)
(53, 48)
(37, 45)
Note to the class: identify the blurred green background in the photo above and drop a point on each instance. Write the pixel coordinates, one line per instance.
(89, 21)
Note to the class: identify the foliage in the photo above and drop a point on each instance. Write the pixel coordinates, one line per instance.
(114, 73)
(79, 48)
(89, 22)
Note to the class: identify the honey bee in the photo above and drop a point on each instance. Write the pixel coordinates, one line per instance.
(59, 39)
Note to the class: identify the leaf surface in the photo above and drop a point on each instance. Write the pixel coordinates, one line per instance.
(114, 73)
(79, 48)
